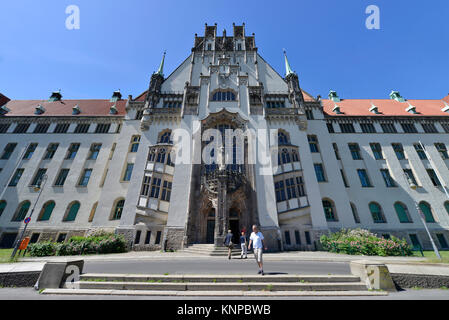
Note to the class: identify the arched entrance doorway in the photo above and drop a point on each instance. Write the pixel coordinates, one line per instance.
(210, 227)
(234, 224)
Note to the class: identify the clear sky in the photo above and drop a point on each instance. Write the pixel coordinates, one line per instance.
(120, 44)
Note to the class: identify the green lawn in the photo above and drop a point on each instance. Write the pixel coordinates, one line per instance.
(431, 257)
(5, 254)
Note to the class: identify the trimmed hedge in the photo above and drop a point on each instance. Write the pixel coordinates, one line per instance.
(363, 242)
(96, 244)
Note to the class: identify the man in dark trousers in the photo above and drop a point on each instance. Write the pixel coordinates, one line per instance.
(228, 243)
(243, 244)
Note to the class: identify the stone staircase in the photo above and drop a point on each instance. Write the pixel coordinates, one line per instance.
(211, 250)
(217, 285)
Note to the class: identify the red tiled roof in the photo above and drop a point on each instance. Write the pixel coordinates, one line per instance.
(446, 98)
(307, 97)
(386, 107)
(141, 97)
(64, 108)
(3, 100)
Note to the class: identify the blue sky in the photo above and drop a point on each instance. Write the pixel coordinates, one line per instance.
(120, 44)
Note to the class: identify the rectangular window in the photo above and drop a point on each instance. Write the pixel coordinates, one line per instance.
(297, 237)
(399, 150)
(429, 128)
(84, 181)
(442, 241)
(60, 180)
(137, 239)
(308, 241)
(166, 191)
(287, 238)
(388, 128)
(347, 128)
(9, 149)
(420, 151)
(34, 237)
(291, 188)
(21, 128)
(319, 170)
(309, 114)
(51, 150)
(300, 185)
(441, 147)
(313, 143)
(148, 237)
(368, 128)
(94, 151)
(4, 127)
(345, 182)
(409, 128)
(61, 237)
(355, 151)
(135, 140)
(433, 177)
(146, 186)
(41, 128)
(364, 179)
(330, 127)
(62, 128)
(155, 188)
(128, 172)
(158, 237)
(280, 191)
(82, 128)
(15, 179)
(337, 153)
(102, 128)
(415, 242)
(37, 180)
(72, 151)
(30, 151)
(410, 176)
(445, 126)
(377, 151)
(389, 182)
(386, 236)
(139, 115)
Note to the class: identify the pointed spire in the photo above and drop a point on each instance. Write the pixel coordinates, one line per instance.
(288, 69)
(160, 71)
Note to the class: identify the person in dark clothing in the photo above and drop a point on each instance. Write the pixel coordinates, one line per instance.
(228, 243)
(243, 245)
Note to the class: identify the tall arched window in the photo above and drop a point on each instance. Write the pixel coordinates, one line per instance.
(402, 212)
(329, 210)
(161, 156)
(118, 210)
(295, 156)
(135, 141)
(355, 214)
(46, 211)
(376, 213)
(22, 211)
(72, 211)
(2, 207)
(165, 137)
(283, 139)
(427, 211)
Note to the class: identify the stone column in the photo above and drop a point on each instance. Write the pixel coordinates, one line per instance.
(221, 220)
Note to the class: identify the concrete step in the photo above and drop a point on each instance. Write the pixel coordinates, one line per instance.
(222, 286)
(100, 277)
(89, 292)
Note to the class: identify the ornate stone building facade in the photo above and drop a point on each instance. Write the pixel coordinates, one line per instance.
(137, 166)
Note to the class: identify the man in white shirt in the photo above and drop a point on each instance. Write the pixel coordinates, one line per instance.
(256, 239)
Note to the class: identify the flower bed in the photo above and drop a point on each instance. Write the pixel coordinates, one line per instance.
(363, 242)
(101, 243)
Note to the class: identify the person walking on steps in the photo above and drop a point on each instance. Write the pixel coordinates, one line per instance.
(228, 243)
(243, 245)
(256, 239)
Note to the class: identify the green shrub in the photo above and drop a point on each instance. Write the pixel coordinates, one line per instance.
(363, 242)
(100, 243)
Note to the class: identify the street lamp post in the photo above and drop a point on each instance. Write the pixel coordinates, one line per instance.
(39, 187)
(421, 215)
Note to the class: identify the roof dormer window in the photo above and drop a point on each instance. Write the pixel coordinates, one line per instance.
(55, 96)
(76, 110)
(334, 96)
(374, 109)
(113, 110)
(337, 109)
(411, 109)
(4, 110)
(395, 95)
(446, 108)
(39, 110)
(116, 96)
